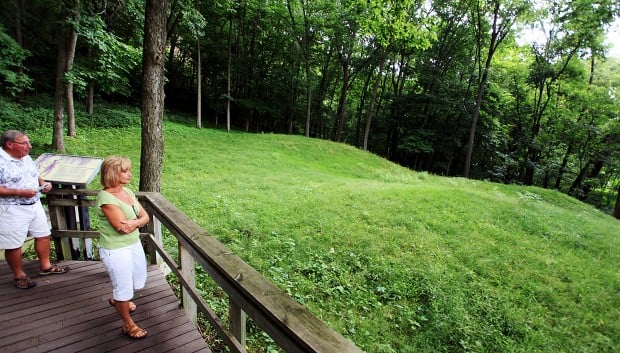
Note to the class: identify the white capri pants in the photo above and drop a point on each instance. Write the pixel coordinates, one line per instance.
(127, 269)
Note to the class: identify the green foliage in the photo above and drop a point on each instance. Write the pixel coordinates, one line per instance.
(398, 23)
(19, 117)
(39, 112)
(541, 122)
(12, 78)
(110, 64)
(104, 117)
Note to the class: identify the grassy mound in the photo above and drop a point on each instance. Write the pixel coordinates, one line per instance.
(395, 260)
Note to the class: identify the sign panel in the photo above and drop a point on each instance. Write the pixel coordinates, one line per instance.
(68, 170)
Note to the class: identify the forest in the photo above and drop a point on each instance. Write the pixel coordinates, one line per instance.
(510, 91)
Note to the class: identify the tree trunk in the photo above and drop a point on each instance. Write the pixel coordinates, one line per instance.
(342, 101)
(58, 142)
(474, 119)
(17, 20)
(71, 44)
(373, 99)
(495, 40)
(66, 50)
(153, 54)
(617, 208)
(70, 110)
(562, 169)
(533, 150)
(90, 89)
(321, 93)
(362, 111)
(198, 87)
(229, 73)
(19, 12)
(90, 99)
(308, 98)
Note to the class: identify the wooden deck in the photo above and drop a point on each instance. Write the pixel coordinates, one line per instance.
(70, 313)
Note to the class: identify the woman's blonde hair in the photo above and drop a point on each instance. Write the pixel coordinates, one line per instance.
(111, 168)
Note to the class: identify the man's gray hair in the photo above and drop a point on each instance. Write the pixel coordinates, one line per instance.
(10, 135)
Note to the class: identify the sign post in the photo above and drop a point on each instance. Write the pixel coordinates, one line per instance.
(75, 172)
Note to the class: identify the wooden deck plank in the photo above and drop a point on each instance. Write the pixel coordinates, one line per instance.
(70, 313)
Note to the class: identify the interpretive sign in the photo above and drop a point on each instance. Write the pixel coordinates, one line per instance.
(68, 170)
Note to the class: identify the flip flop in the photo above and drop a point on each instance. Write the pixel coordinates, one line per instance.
(134, 332)
(54, 270)
(24, 283)
(132, 305)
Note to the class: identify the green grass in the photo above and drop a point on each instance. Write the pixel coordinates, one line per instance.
(397, 261)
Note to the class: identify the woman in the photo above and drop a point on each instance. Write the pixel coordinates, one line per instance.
(120, 249)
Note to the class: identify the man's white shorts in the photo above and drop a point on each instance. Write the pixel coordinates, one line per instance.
(18, 221)
(127, 269)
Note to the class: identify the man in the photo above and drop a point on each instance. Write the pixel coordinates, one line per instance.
(21, 212)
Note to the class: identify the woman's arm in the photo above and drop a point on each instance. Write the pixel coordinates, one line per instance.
(116, 217)
(142, 220)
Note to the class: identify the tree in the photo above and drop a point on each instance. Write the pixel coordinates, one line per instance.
(424, 84)
(304, 35)
(153, 58)
(228, 72)
(392, 26)
(198, 86)
(105, 62)
(70, 48)
(66, 42)
(185, 28)
(436, 102)
(503, 14)
(575, 31)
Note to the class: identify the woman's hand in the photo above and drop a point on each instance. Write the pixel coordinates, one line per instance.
(122, 225)
(128, 226)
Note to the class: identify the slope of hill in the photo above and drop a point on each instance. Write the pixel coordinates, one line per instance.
(395, 260)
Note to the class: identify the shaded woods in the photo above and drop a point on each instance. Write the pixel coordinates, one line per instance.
(449, 87)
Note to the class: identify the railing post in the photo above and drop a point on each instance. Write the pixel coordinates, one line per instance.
(77, 217)
(83, 218)
(58, 220)
(188, 271)
(238, 320)
(154, 227)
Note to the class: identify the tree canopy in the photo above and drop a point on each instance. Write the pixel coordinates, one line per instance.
(440, 86)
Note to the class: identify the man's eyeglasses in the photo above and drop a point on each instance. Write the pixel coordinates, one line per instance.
(22, 143)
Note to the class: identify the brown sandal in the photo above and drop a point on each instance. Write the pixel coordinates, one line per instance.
(134, 332)
(54, 270)
(132, 305)
(24, 282)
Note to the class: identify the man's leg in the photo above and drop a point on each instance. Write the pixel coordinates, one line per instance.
(14, 259)
(42, 248)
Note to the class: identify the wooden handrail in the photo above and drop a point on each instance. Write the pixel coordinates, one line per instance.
(289, 324)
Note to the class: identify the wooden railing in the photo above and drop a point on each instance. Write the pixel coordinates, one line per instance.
(290, 325)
